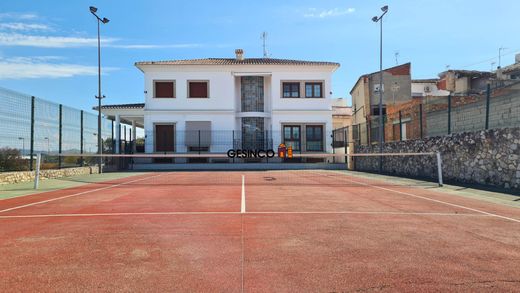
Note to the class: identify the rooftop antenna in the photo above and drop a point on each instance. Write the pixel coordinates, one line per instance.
(396, 54)
(264, 40)
(447, 67)
(493, 65)
(500, 55)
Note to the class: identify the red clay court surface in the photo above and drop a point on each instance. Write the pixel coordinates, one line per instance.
(306, 231)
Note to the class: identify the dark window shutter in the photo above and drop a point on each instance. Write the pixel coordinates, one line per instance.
(198, 89)
(164, 89)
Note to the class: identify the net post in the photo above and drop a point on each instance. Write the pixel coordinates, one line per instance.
(81, 138)
(37, 170)
(439, 168)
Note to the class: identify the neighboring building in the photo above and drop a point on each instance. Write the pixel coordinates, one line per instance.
(365, 93)
(510, 72)
(257, 101)
(341, 113)
(464, 81)
(427, 87)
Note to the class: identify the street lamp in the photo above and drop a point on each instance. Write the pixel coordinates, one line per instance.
(23, 144)
(380, 20)
(48, 147)
(103, 20)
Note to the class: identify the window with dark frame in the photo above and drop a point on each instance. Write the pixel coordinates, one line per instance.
(314, 138)
(292, 136)
(291, 89)
(164, 89)
(198, 89)
(375, 110)
(314, 90)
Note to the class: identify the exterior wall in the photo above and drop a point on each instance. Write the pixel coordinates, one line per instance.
(389, 97)
(488, 157)
(223, 107)
(360, 98)
(418, 89)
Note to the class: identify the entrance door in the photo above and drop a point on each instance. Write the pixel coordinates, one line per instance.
(164, 141)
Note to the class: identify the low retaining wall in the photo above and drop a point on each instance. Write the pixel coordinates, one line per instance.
(490, 157)
(27, 176)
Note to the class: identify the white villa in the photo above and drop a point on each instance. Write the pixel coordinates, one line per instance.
(215, 104)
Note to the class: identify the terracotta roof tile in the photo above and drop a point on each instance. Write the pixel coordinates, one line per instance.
(233, 61)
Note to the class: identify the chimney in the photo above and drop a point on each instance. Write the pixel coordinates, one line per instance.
(239, 54)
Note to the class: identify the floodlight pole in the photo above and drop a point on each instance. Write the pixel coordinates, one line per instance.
(381, 135)
(93, 10)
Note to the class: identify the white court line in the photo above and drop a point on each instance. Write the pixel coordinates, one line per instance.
(243, 198)
(438, 201)
(76, 194)
(238, 213)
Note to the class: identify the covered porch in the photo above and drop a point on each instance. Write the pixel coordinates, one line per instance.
(127, 126)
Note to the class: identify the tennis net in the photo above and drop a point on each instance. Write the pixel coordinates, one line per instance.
(221, 168)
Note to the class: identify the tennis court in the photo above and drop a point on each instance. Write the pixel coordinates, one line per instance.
(257, 231)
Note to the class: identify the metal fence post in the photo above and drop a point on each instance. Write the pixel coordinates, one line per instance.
(199, 143)
(60, 135)
(449, 114)
(345, 145)
(33, 100)
(233, 142)
(488, 96)
(400, 126)
(112, 144)
(420, 120)
(81, 137)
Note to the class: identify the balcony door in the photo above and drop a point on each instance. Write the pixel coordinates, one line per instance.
(164, 141)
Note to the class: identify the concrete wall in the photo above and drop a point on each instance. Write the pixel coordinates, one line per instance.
(504, 111)
(488, 157)
(27, 176)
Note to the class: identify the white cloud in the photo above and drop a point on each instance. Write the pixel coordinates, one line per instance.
(16, 39)
(16, 15)
(315, 13)
(8, 39)
(143, 46)
(20, 26)
(39, 67)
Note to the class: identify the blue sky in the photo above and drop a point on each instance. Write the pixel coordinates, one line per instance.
(48, 48)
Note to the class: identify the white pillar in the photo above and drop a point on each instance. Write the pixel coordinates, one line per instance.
(118, 132)
(133, 136)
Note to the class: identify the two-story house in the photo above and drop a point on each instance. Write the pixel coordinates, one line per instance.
(215, 104)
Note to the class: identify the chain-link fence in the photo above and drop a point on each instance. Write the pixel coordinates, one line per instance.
(442, 115)
(30, 125)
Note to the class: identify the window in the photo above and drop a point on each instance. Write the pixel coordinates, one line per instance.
(291, 89)
(198, 89)
(164, 89)
(314, 138)
(375, 110)
(313, 90)
(291, 136)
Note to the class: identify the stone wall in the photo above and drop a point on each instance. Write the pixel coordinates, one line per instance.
(490, 157)
(27, 176)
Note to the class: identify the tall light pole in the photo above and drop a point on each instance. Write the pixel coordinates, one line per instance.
(23, 144)
(48, 145)
(103, 20)
(380, 20)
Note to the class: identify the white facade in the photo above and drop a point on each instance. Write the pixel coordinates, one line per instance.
(222, 107)
(422, 88)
